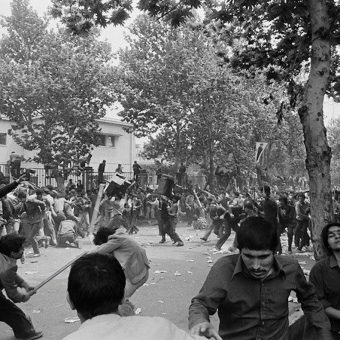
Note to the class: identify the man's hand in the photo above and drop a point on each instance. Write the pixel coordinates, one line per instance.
(205, 329)
(27, 287)
(28, 294)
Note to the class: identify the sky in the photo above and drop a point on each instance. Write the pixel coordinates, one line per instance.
(115, 36)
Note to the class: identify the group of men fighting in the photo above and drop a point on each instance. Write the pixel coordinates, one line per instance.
(249, 290)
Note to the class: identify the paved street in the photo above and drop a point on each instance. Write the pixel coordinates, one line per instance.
(176, 275)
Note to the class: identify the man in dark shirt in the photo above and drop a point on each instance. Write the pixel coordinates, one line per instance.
(302, 210)
(325, 275)
(217, 213)
(136, 170)
(12, 249)
(250, 291)
(287, 220)
(269, 210)
(101, 170)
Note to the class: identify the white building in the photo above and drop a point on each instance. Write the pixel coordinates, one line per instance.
(116, 147)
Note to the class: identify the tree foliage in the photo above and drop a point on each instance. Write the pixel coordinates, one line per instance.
(295, 42)
(53, 87)
(81, 16)
(173, 85)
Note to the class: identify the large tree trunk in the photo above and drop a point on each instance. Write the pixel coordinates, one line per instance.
(311, 116)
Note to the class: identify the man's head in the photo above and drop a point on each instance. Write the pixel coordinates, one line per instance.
(301, 197)
(22, 196)
(330, 236)
(283, 201)
(248, 208)
(12, 245)
(39, 193)
(257, 241)
(102, 235)
(96, 285)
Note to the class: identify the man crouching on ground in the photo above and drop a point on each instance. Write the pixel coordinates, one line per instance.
(250, 291)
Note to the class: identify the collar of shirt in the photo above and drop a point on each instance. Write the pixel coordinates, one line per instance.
(277, 268)
(112, 317)
(333, 262)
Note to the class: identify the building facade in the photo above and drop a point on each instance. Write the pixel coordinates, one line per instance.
(116, 146)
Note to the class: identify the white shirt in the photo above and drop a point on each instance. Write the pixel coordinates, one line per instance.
(115, 327)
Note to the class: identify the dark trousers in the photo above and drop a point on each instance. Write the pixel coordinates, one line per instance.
(217, 226)
(15, 318)
(100, 177)
(301, 235)
(49, 230)
(228, 226)
(133, 219)
(169, 227)
(33, 234)
(290, 233)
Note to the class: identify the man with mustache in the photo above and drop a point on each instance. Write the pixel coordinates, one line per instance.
(250, 291)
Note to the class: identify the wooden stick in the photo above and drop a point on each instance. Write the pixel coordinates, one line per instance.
(60, 270)
(197, 199)
(96, 207)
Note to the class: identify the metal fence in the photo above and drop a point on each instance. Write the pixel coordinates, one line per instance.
(41, 177)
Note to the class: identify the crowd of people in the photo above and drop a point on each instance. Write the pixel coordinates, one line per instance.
(47, 216)
(249, 288)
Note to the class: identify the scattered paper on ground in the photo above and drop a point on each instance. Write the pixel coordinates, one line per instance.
(71, 319)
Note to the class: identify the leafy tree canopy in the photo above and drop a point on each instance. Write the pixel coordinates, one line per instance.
(53, 87)
(172, 84)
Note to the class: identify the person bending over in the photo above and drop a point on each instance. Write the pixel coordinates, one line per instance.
(12, 249)
(128, 252)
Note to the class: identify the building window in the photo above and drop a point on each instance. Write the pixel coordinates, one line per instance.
(111, 141)
(3, 138)
(107, 140)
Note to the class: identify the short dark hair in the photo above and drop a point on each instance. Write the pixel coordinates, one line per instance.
(248, 205)
(11, 243)
(283, 199)
(102, 235)
(39, 192)
(324, 236)
(256, 233)
(96, 285)
(22, 194)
